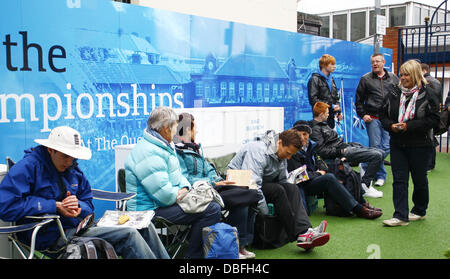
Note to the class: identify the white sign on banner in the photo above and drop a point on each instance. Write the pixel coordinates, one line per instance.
(381, 25)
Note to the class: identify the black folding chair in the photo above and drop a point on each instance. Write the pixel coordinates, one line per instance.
(173, 236)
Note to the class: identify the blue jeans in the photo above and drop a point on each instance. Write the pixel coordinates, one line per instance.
(210, 216)
(403, 162)
(131, 243)
(378, 138)
(373, 157)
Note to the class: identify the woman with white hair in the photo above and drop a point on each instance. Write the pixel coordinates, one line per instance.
(409, 113)
(153, 173)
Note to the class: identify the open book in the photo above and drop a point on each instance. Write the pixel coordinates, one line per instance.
(135, 219)
(298, 175)
(241, 178)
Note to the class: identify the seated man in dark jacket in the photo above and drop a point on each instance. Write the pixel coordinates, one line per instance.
(322, 182)
(48, 181)
(331, 146)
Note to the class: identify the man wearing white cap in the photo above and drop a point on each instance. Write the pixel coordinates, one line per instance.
(48, 181)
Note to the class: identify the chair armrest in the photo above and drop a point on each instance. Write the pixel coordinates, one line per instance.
(111, 196)
(24, 227)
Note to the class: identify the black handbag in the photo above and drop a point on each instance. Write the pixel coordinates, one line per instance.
(443, 123)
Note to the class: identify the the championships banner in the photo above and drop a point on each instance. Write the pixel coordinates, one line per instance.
(101, 67)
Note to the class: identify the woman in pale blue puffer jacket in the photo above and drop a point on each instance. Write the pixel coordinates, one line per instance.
(153, 172)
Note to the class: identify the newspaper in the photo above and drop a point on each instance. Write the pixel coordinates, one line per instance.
(137, 219)
(298, 175)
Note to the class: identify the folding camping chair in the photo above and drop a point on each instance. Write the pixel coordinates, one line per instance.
(41, 221)
(173, 236)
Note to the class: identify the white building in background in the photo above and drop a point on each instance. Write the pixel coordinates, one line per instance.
(359, 23)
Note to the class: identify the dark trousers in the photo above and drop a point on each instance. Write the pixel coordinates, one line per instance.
(288, 206)
(330, 186)
(403, 162)
(210, 216)
(243, 218)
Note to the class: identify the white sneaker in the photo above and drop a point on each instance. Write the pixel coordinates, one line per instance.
(394, 222)
(379, 182)
(371, 192)
(244, 254)
(415, 217)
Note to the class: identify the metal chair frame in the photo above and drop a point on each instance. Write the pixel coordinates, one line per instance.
(41, 221)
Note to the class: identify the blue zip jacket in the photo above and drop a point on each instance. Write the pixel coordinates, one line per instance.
(194, 166)
(31, 188)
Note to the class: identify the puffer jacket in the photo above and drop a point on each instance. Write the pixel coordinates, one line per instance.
(194, 166)
(371, 91)
(419, 129)
(31, 188)
(153, 172)
(318, 90)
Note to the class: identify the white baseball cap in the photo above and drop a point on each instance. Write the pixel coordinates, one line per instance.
(66, 140)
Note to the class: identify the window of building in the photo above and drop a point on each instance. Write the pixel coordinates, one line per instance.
(417, 17)
(325, 28)
(223, 89)
(259, 92)
(340, 27)
(372, 20)
(231, 90)
(397, 16)
(241, 89)
(358, 26)
(249, 91)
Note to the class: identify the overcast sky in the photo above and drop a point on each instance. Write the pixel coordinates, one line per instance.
(323, 6)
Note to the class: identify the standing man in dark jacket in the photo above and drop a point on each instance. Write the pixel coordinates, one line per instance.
(321, 87)
(370, 92)
(435, 86)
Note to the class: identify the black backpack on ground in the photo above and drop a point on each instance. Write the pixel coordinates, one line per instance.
(269, 232)
(351, 180)
(88, 248)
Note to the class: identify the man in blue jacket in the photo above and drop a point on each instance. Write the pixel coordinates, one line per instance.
(48, 181)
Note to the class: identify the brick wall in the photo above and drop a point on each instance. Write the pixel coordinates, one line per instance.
(390, 40)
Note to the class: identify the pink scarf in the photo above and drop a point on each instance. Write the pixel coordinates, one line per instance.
(407, 112)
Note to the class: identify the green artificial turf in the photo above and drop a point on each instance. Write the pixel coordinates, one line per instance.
(356, 238)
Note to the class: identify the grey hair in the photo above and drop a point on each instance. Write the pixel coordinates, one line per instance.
(161, 117)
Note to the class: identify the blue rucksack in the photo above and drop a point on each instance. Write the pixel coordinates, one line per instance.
(220, 241)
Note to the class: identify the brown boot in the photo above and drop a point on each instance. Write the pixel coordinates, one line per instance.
(368, 213)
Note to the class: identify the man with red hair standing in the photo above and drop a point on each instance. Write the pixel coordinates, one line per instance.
(321, 87)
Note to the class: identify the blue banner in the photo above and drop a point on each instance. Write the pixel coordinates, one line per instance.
(101, 67)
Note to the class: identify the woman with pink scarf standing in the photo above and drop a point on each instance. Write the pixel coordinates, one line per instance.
(409, 113)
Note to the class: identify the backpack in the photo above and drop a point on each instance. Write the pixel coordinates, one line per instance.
(269, 232)
(351, 181)
(88, 248)
(220, 241)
